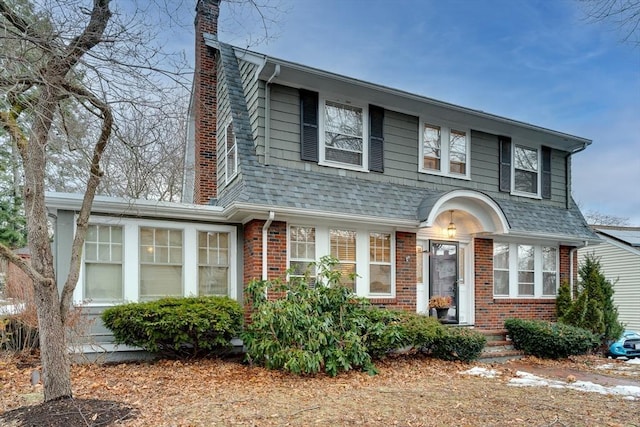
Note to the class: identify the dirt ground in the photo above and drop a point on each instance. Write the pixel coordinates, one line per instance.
(408, 391)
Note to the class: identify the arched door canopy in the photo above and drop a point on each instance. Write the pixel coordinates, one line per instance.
(484, 209)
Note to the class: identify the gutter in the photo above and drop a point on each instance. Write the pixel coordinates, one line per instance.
(267, 114)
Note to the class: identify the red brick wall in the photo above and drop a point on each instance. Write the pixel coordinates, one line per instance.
(491, 313)
(205, 104)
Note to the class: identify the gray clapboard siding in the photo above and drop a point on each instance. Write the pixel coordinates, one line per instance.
(401, 153)
(622, 268)
(254, 94)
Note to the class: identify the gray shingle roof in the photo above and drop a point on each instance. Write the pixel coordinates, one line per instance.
(276, 186)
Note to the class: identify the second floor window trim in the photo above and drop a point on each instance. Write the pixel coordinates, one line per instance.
(526, 171)
(343, 131)
(444, 150)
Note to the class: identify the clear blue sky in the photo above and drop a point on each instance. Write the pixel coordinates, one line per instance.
(538, 61)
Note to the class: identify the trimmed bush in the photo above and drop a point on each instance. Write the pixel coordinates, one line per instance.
(550, 340)
(458, 344)
(177, 327)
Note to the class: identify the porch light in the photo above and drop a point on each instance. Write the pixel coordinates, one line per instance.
(451, 229)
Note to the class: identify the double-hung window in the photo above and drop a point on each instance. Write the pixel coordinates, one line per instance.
(161, 263)
(444, 151)
(343, 248)
(343, 135)
(213, 263)
(302, 251)
(524, 270)
(380, 263)
(525, 169)
(103, 263)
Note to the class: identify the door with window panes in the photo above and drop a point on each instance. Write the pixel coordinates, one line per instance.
(443, 277)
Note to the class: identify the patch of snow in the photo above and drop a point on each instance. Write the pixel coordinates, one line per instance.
(481, 372)
(635, 361)
(11, 309)
(525, 379)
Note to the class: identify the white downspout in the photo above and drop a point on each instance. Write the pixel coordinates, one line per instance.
(267, 114)
(265, 230)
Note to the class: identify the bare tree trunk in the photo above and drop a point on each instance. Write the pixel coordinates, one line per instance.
(53, 348)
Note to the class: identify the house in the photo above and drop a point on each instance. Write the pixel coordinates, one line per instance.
(287, 163)
(619, 257)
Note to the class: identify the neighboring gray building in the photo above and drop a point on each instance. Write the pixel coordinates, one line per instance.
(619, 256)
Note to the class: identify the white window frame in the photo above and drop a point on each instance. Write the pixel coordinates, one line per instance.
(131, 263)
(300, 259)
(538, 172)
(364, 167)
(225, 150)
(210, 251)
(110, 262)
(445, 154)
(538, 271)
(323, 247)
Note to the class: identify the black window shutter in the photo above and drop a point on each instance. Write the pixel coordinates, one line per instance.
(546, 172)
(505, 163)
(309, 125)
(376, 138)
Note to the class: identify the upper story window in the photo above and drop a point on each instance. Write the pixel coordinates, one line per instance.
(444, 151)
(524, 271)
(525, 169)
(341, 134)
(229, 153)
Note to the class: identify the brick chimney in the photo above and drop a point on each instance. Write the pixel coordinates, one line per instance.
(205, 104)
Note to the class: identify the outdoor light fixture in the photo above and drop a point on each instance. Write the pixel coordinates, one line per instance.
(451, 229)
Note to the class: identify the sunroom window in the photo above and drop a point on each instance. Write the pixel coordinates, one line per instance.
(213, 263)
(103, 263)
(160, 263)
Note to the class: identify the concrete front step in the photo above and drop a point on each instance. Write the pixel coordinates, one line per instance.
(498, 348)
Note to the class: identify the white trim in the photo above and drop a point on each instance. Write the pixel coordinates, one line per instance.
(135, 207)
(481, 206)
(323, 247)
(131, 264)
(538, 150)
(538, 271)
(322, 100)
(445, 155)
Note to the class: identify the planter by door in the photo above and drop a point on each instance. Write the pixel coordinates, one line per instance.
(442, 312)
